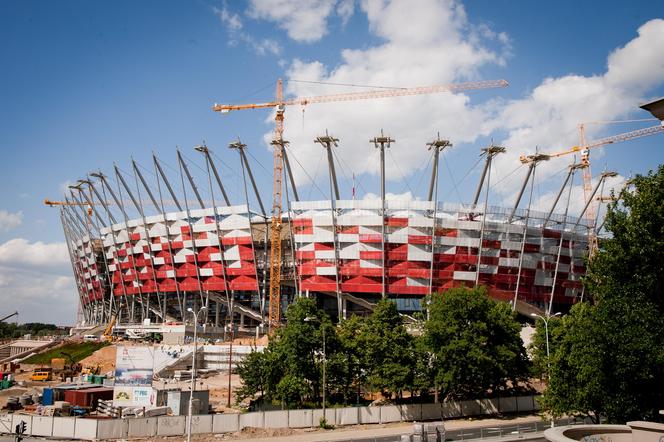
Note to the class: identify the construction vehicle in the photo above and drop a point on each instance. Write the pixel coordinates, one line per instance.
(108, 332)
(71, 369)
(42, 375)
(279, 104)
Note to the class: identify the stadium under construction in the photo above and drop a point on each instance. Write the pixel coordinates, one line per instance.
(138, 261)
(148, 254)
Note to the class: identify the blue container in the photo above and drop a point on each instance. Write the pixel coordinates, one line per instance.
(47, 396)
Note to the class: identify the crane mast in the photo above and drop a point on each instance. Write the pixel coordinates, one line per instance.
(275, 228)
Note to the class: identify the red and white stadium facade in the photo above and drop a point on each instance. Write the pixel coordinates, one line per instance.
(352, 251)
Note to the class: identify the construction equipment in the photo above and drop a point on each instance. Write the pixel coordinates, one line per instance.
(584, 148)
(278, 142)
(8, 316)
(108, 332)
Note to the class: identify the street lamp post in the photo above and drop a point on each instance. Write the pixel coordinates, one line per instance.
(546, 334)
(193, 371)
(314, 319)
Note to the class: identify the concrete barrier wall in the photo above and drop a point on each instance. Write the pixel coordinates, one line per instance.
(330, 416)
(91, 429)
(347, 416)
(300, 418)
(452, 410)
(85, 429)
(489, 406)
(42, 426)
(200, 424)
(390, 413)
(470, 408)
(275, 419)
(225, 423)
(370, 415)
(507, 404)
(251, 420)
(106, 429)
(411, 412)
(525, 403)
(63, 427)
(142, 427)
(173, 425)
(432, 412)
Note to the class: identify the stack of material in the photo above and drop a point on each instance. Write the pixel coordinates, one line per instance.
(106, 407)
(144, 412)
(429, 432)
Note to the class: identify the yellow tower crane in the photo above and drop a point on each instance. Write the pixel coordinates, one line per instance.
(279, 104)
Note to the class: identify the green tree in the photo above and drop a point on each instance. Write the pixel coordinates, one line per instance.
(260, 375)
(611, 359)
(577, 379)
(290, 368)
(348, 373)
(540, 362)
(476, 342)
(387, 350)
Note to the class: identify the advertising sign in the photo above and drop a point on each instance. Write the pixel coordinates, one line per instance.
(133, 396)
(134, 367)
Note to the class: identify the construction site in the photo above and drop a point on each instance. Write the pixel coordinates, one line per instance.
(145, 253)
(160, 270)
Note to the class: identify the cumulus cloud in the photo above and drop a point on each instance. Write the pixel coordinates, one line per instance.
(435, 45)
(9, 220)
(302, 21)
(20, 252)
(39, 296)
(438, 44)
(548, 117)
(36, 280)
(232, 22)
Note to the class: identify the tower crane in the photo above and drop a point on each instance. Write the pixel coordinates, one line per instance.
(279, 104)
(50, 203)
(9, 316)
(585, 148)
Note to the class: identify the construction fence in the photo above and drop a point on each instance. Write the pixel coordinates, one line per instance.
(99, 429)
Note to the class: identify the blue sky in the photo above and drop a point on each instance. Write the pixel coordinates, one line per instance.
(86, 84)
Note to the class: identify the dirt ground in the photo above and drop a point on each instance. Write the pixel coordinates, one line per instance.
(104, 358)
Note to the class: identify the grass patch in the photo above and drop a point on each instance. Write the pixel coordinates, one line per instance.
(78, 351)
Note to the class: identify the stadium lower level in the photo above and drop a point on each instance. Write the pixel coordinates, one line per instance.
(347, 253)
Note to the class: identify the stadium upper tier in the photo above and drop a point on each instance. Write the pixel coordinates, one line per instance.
(159, 265)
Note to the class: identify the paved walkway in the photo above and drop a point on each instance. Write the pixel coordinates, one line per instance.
(367, 431)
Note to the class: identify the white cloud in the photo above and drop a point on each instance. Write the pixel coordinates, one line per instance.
(302, 21)
(9, 220)
(548, 117)
(36, 280)
(19, 252)
(427, 45)
(234, 27)
(39, 296)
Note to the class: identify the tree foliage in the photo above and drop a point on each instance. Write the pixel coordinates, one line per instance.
(610, 359)
(476, 343)
(537, 347)
(387, 350)
(376, 353)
